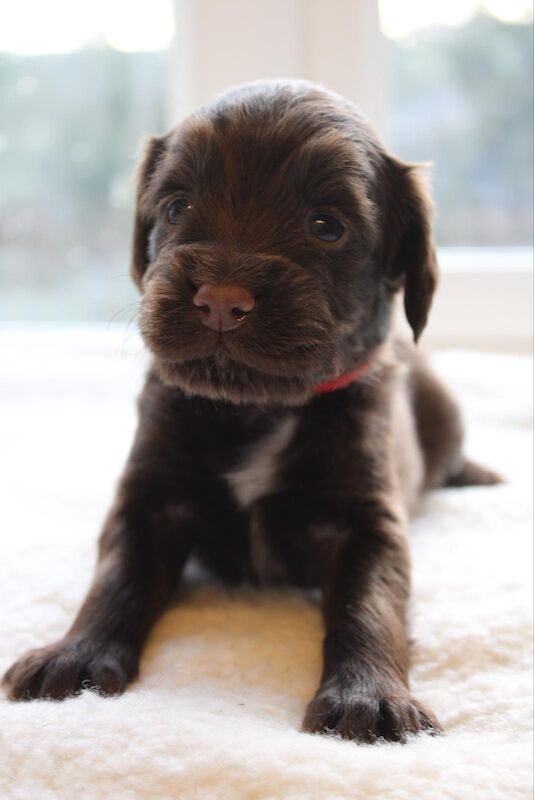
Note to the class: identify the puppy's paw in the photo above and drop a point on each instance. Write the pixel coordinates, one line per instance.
(368, 714)
(69, 666)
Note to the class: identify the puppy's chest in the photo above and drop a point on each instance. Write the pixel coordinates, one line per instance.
(258, 467)
(258, 472)
(266, 466)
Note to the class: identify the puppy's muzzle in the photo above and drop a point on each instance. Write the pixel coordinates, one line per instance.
(223, 308)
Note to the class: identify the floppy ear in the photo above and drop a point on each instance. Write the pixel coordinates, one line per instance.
(408, 249)
(152, 154)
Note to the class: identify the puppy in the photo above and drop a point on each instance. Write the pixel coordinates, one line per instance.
(284, 433)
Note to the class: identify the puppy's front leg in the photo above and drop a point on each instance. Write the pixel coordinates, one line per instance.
(142, 552)
(144, 545)
(364, 692)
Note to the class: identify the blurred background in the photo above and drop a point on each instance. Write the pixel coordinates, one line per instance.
(81, 84)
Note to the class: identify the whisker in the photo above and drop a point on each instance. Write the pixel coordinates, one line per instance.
(123, 310)
(131, 330)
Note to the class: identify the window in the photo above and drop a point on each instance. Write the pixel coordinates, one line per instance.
(461, 97)
(81, 84)
(77, 97)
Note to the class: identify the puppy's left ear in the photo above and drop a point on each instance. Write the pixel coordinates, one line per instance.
(153, 153)
(408, 251)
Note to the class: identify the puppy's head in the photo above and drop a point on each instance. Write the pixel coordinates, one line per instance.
(272, 231)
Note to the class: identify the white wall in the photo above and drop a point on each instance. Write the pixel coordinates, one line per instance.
(219, 43)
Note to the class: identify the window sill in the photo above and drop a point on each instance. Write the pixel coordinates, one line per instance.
(475, 260)
(484, 300)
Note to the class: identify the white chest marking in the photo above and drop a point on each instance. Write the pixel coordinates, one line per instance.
(256, 475)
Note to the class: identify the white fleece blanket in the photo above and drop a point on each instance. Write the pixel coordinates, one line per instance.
(226, 676)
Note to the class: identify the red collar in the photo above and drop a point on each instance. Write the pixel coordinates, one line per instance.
(342, 380)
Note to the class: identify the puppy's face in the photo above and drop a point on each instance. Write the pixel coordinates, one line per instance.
(271, 233)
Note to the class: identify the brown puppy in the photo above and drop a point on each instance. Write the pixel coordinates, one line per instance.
(283, 433)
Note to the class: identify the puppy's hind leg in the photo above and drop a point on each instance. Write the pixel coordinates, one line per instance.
(441, 434)
(473, 474)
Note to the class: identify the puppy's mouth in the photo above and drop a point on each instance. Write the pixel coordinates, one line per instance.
(278, 352)
(225, 353)
(220, 366)
(220, 377)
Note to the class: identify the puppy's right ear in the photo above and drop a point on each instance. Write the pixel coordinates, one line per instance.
(153, 153)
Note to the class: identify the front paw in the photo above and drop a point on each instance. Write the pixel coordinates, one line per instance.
(368, 713)
(66, 667)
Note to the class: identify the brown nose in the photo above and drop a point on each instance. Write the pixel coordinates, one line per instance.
(223, 308)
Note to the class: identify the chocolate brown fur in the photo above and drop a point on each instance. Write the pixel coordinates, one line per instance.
(236, 459)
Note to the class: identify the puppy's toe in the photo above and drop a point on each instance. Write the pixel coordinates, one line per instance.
(107, 676)
(24, 678)
(402, 716)
(323, 713)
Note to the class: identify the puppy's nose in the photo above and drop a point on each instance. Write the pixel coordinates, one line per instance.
(223, 308)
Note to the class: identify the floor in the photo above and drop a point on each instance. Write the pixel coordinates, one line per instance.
(226, 676)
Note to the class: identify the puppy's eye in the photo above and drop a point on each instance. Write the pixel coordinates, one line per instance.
(177, 208)
(326, 227)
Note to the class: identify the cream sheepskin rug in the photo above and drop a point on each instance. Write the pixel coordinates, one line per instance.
(226, 676)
